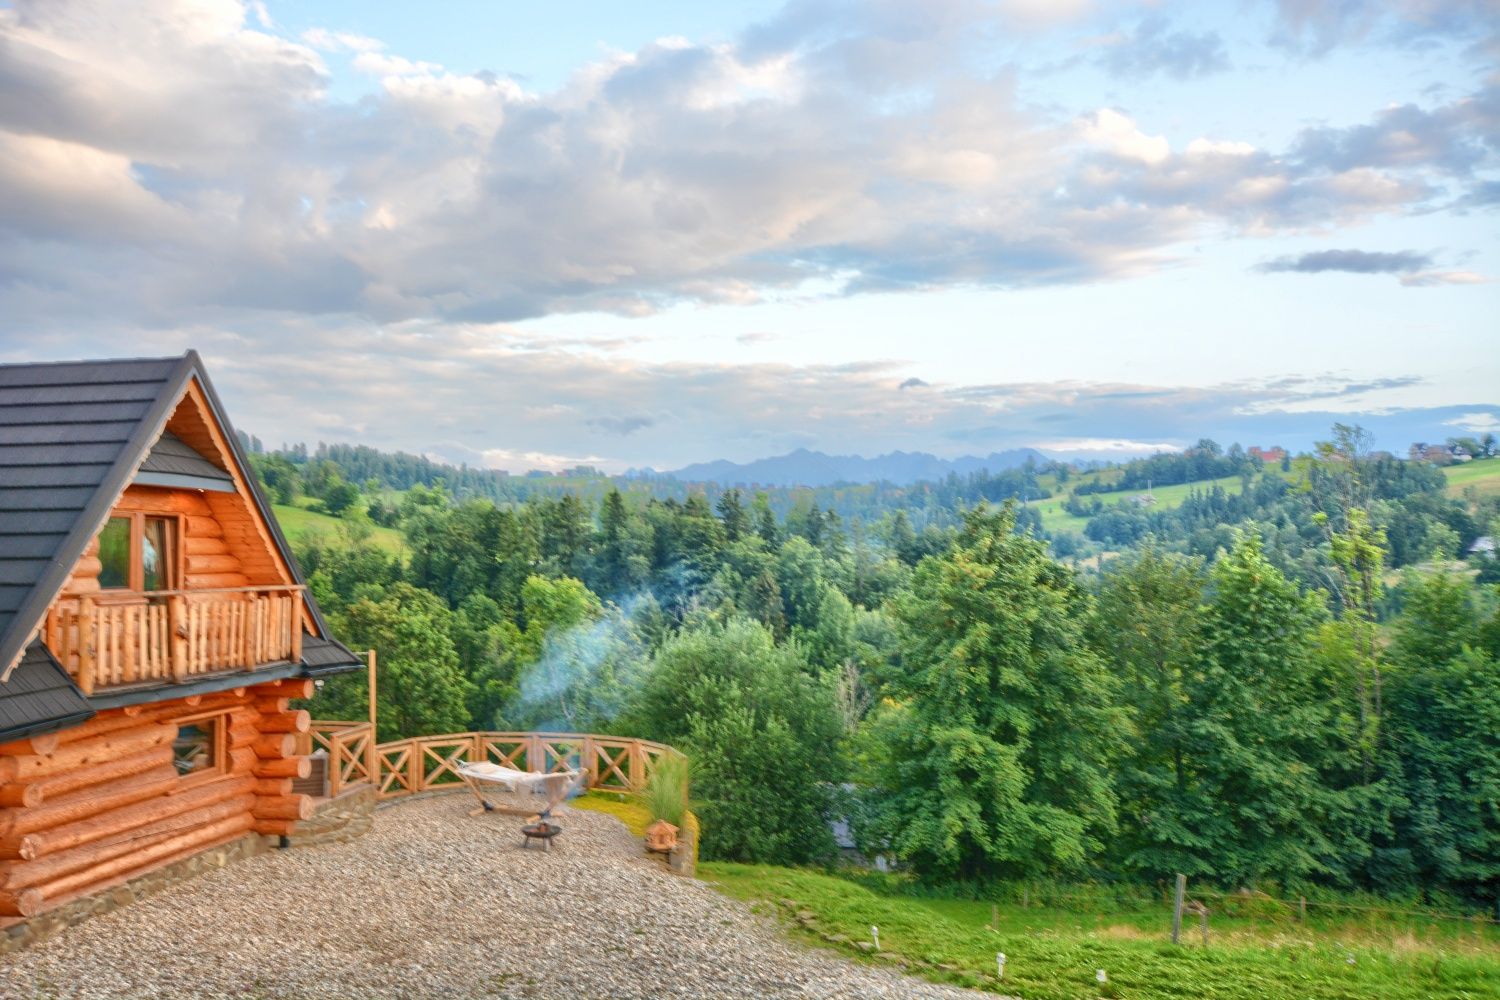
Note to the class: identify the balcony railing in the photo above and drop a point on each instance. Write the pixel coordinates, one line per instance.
(172, 636)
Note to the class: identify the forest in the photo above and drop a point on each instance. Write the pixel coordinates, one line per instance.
(1290, 685)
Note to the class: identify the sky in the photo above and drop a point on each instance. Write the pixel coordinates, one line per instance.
(650, 234)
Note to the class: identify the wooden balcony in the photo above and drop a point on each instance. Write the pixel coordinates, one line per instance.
(112, 639)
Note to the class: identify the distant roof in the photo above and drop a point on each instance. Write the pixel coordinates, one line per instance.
(73, 435)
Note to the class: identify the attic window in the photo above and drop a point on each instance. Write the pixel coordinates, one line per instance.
(138, 552)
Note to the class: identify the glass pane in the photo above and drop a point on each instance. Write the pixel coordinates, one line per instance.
(193, 750)
(114, 553)
(156, 554)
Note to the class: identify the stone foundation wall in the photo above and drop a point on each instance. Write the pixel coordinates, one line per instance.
(30, 931)
(338, 820)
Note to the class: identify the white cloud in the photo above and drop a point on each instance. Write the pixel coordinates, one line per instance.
(1477, 423)
(1218, 147)
(1119, 446)
(1117, 133)
(175, 162)
(1428, 279)
(341, 41)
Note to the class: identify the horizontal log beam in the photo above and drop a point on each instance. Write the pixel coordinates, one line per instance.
(286, 767)
(45, 842)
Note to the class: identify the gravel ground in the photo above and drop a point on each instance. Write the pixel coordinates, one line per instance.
(433, 903)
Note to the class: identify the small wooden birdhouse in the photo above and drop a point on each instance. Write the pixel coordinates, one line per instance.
(661, 837)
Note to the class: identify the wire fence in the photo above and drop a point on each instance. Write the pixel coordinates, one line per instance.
(1241, 904)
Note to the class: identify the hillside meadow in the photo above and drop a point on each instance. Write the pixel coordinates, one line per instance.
(1055, 952)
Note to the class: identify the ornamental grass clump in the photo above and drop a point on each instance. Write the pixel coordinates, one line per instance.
(666, 791)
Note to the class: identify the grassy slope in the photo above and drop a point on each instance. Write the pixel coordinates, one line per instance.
(1483, 476)
(627, 810)
(296, 520)
(1053, 954)
(1055, 518)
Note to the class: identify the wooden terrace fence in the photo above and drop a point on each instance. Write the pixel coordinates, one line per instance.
(428, 763)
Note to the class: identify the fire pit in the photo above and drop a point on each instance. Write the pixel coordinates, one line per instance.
(541, 830)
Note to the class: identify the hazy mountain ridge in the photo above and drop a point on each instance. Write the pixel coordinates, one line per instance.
(815, 468)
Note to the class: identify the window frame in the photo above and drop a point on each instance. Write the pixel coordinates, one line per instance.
(220, 766)
(175, 561)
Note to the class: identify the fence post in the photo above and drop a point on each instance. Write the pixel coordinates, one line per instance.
(416, 767)
(1301, 909)
(1177, 908)
(335, 762)
(637, 766)
(87, 645)
(1203, 920)
(177, 631)
(372, 760)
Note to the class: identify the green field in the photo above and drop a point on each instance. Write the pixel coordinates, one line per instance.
(1054, 953)
(1055, 518)
(1483, 476)
(296, 521)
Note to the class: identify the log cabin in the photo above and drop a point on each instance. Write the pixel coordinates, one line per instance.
(154, 629)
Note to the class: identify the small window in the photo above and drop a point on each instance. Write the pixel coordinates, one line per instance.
(114, 554)
(138, 552)
(199, 746)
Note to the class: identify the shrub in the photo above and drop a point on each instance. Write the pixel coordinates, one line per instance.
(666, 791)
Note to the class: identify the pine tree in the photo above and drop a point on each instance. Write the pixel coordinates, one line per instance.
(732, 515)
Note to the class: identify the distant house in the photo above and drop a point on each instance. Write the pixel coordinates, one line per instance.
(1143, 499)
(1437, 454)
(1483, 547)
(1458, 453)
(153, 629)
(1275, 453)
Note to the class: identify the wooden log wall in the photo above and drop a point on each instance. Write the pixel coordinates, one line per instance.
(241, 527)
(96, 805)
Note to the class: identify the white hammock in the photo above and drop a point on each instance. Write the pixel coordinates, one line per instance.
(482, 776)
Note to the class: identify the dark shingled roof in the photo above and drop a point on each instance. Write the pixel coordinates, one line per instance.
(171, 455)
(66, 430)
(40, 697)
(72, 436)
(325, 656)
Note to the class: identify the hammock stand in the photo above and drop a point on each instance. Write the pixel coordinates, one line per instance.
(482, 777)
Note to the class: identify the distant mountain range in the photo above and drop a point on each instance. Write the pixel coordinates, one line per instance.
(813, 468)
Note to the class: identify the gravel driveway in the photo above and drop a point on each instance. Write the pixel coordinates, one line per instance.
(434, 903)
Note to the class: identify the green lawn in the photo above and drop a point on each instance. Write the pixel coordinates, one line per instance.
(297, 520)
(625, 808)
(1054, 954)
(1483, 475)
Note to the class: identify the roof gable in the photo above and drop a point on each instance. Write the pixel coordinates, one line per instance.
(73, 436)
